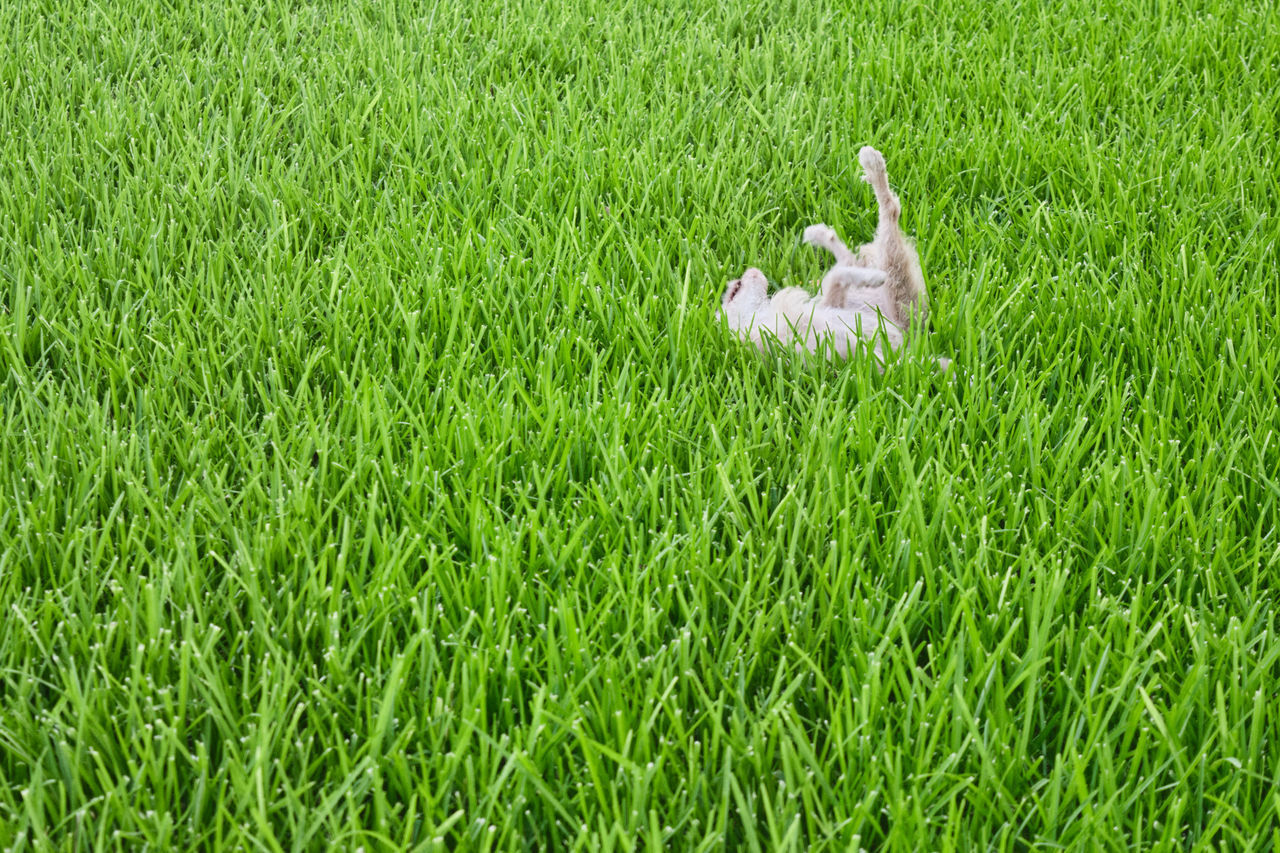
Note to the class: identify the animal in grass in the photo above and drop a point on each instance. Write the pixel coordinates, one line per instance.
(872, 296)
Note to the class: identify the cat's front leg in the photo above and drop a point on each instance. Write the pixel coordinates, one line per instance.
(839, 280)
(824, 237)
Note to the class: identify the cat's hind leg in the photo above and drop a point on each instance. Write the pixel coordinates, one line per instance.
(891, 250)
(875, 173)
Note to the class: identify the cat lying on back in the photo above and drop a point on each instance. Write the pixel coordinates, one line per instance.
(872, 296)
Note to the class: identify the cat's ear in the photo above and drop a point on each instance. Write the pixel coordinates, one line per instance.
(751, 290)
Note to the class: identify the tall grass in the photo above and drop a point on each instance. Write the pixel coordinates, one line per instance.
(375, 474)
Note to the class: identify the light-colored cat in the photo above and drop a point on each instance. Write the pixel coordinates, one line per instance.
(872, 296)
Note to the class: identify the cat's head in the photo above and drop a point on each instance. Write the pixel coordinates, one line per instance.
(743, 297)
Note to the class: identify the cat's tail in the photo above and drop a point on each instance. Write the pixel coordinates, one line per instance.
(897, 255)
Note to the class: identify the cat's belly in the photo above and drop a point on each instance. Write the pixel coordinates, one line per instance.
(840, 329)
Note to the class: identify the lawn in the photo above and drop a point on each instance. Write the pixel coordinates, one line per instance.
(375, 472)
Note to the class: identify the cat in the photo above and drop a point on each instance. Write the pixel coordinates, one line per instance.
(872, 296)
(795, 317)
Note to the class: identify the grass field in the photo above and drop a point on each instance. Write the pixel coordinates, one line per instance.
(375, 473)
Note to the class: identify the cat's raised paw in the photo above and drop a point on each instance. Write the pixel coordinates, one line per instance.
(872, 162)
(820, 235)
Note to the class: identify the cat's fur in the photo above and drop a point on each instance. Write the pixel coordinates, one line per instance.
(873, 295)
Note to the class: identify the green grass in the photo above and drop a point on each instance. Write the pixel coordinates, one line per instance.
(375, 474)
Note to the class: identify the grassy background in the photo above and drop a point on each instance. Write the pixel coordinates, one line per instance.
(374, 472)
